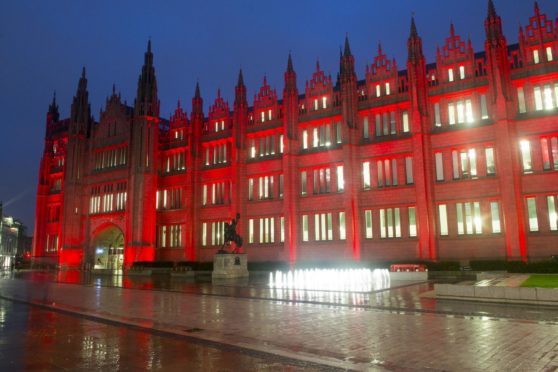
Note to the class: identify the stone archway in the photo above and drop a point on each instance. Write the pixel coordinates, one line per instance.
(108, 248)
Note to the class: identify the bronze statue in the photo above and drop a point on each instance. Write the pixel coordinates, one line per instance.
(232, 236)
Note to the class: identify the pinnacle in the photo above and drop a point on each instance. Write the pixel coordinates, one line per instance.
(240, 78)
(149, 45)
(290, 64)
(414, 32)
(83, 72)
(347, 51)
(197, 93)
(491, 9)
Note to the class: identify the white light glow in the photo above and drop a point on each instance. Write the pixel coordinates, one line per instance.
(347, 280)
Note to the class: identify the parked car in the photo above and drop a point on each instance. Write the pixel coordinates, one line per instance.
(408, 267)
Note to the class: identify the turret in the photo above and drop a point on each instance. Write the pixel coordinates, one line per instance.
(147, 103)
(240, 92)
(416, 70)
(290, 100)
(348, 81)
(53, 115)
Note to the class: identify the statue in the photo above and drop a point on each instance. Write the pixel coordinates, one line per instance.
(232, 236)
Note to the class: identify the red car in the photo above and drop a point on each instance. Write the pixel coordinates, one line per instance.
(407, 267)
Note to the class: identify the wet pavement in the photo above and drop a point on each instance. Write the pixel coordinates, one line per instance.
(399, 328)
(35, 339)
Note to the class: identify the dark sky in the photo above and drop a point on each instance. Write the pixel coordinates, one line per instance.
(44, 44)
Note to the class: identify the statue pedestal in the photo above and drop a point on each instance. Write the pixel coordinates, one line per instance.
(230, 266)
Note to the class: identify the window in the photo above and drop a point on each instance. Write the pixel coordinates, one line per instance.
(340, 179)
(387, 172)
(265, 190)
(366, 175)
(51, 243)
(409, 170)
(303, 183)
(549, 54)
(437, 118)
(536, 56)
(495, 214)
(250, 189)
(490, 165)
(538, 99)
(324, 102)
(549, 147)
(521, 100)
(450, 74)
(338, 129)
(282, 237)
(121, 196)
(204, 234)
(315, 104)
(280, 186)
(267, 230)
(252, 148)
(464, 163)
(304, 139)
(387, 89)
(460, 112)
(170, 236)
(368, 223)
(323, 226)
(552, 216)
(251, 231)
(443, 215)
(217, 233)
(439, 166)
(461, 72)
(484, 110)
(412, 222)
(365, 128)
(390, 223)
(342, 231)
(378, 93)
(469, 219)
(525, 148)
(532, 212)
(322, 180)
(305, 228)
(405, 121)
(281, 144)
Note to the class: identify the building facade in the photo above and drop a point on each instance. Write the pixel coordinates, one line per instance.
(13, 241)
(451, 160)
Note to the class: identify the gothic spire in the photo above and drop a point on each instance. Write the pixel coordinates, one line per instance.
(147, 102)
(53, 114)
(197, 102)
(240, 78)
(197, 91)
(413, 32)
(240, 91)
(491, 10)
(81, 109)
(347, 51)
(414, 43)
(290, 64)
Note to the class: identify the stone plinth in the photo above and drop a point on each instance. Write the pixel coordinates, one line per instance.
(230, 266)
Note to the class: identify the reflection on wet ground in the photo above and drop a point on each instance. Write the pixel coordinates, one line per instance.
(401, 296)
(34, 339)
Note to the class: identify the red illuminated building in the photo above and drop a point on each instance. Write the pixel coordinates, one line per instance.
(452, 160)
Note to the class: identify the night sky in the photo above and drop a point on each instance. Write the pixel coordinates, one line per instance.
(44, 44)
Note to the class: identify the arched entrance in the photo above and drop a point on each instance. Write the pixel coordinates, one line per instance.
(108, 249)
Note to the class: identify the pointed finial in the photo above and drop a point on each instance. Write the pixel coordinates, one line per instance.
(113, 89)
(149, 45)
(317, 64)
(218, 92)
(197, 92)
(83, 72)
(240, 78)
(265, 80)
(537, 11)
(491, 9)
(379, 48)
(347, 47)
(178, 103)
(452, 30)
(290, 63)
(54, 98)
(414, 32)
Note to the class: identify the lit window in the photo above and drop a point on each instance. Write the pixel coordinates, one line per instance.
(305, 139)
(538, 99)
(387, 89)
(461, 72)
(378, 92)
(442, 211)
(405, 120)
(250, 189)
(368, 223)
(365, 127)
(521, 100)
(412, 222)
(305, 228)
(252, 148)
(495, 214)
(316, 104)
(251, 231)
(536, 56)
(324, 102)
(262, 115)
(525, 148)
(552, 216)
(469, 111)
(204, 234)
(281, 144)
(549, 54)
(490, 165)
(338, 129)
(303, 183)
(269, 114)
(460, 112)
(451, 113)
(437, 119)
(532, 211)
(450, 74)
(282, 233)
(340, 178)
(439, 166)
(548, 99)
(366, 175)
(315, 137)
(342, 231)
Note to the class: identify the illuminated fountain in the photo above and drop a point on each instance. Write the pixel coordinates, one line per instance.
(345, 280)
